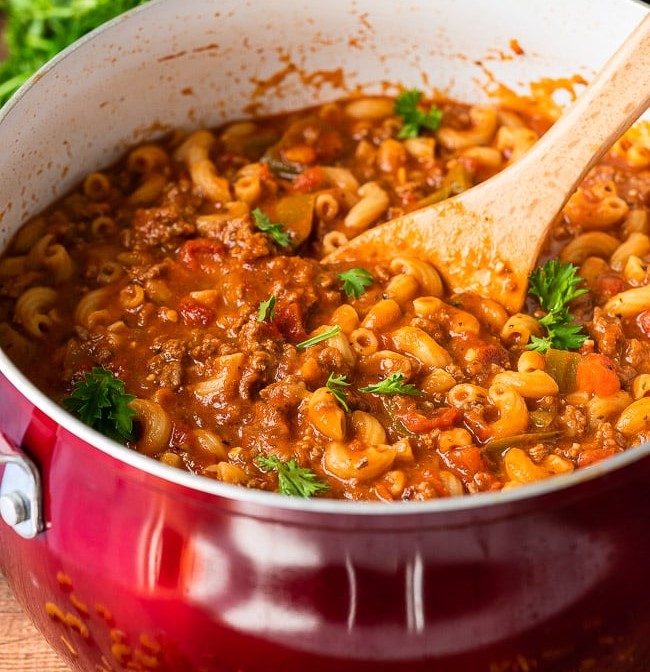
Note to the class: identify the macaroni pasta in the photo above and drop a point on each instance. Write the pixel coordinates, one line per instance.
(190, 270)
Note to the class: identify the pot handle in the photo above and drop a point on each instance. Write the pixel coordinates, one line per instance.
(21, 499)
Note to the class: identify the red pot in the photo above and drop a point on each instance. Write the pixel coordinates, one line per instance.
(125, 563)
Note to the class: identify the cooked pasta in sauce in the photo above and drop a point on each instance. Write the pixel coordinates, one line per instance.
(190, 270)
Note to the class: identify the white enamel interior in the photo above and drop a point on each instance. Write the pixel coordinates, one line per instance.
(200, 62)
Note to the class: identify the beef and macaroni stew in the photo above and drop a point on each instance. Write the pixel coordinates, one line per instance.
(181, 293)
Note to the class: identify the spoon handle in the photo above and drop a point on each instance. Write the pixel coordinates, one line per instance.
(552, 169)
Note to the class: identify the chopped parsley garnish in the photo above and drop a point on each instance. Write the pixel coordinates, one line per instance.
(407, 106)
(100, 401)
(319, 338)
(292, 479)
(336, 385)
(355, 281)
(36, 30)
(264, 224)
(266, 310)
(394, 384)
(555, 285)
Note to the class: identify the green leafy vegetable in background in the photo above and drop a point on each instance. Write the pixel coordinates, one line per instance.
(394, 384)
(355, 281)
(407, 106)
(36, 30)
(263, 223)
(555, 285)
(292, 479)
(100, 400)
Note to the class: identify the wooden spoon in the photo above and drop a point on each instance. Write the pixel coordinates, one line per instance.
(487, 239)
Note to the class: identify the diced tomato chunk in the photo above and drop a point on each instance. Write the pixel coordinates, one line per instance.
(194, 313)
(329, 145)
(597, 375)
(478, 425)
(594, 455)
(466, 461)
(419, 423)
(289, 321)
(201, 253)
(609, 284)
(309, 180)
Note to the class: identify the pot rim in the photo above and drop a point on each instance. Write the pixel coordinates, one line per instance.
(274, 500)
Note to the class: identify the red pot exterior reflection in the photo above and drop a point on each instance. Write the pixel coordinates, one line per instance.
(136, 572)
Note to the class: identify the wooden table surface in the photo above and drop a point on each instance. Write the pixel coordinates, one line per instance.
(22, 648)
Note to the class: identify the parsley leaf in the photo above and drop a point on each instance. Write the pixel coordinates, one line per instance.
(323, 336)
(355, 281)
(101, 402)
(266, 310)
(393, 385)
(555, 285)
(263, 223)
(36, 30)
(561, 336)
(292, 479)
(407, 107)
(336, 385)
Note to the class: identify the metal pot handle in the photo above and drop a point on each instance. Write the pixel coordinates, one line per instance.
(21, 500)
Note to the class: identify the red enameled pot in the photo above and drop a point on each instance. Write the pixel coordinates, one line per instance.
(127, 564)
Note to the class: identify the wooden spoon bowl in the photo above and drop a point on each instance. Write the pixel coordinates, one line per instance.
(487, 239)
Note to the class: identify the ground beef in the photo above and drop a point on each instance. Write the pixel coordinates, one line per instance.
(156, 227)
(607, 333)
(302, 278)
(165, 374)
(285, 394)
(633, 354)
(239, 236)
(598, 174)
(12, 287)
(141, 273)
(637, 354)
(257, 372)
(267, 432)
(606, 437)
(205, 346)
(479, 361)
(573, 421)
(166, 366)
(82, 348)
(256, 336)
(633, 188)
(332, 359)
(173, 348)
(538, 452)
